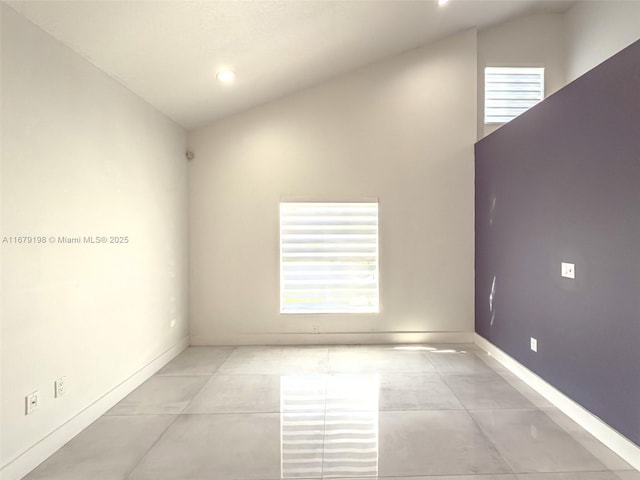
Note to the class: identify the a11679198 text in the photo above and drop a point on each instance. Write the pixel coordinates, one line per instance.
(64, 239)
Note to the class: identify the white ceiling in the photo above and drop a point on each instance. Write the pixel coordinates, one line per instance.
(168, 52)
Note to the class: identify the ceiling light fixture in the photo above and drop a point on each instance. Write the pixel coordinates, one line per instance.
(226, 76)
(442, 3)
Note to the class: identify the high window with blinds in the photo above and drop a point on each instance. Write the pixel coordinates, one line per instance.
(329, 257)
(510, 91)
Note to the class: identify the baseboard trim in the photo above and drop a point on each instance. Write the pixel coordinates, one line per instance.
(625, 448)
(34, 456)
(347, 338)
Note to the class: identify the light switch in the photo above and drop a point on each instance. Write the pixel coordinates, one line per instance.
(568, 270)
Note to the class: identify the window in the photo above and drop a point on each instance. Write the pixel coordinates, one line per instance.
(329, 258)
(510, 91)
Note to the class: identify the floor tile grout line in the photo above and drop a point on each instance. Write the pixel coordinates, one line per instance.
(159, 373)
(188, 404)
(142, 457)
(272, 412)
(519, 385)
(464, 407)
(127, 475)
(579, 440)
(231, 350)
(482, 432)
(493, 444)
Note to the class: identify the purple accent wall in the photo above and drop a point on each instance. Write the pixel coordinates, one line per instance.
(562, 183)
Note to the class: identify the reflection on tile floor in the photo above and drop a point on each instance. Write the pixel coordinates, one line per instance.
(426, 412)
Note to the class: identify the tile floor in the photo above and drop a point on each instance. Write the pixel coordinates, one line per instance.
(429, 412)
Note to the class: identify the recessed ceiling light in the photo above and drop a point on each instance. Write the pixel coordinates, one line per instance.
(442, 3)
(226, 76)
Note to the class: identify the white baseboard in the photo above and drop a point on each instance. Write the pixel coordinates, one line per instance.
(625, 448)
(347, 338)
(34, 456)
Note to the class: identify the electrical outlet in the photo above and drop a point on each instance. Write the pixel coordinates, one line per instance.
(60, 387)
(568, 270)
(172, 323)
(534, 344)
(316, 328)
(31, 402)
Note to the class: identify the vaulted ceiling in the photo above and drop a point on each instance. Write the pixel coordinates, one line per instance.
(168, 52)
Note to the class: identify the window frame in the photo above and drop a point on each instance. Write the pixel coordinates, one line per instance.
(533, 69)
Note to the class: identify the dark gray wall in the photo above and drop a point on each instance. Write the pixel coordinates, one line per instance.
(562, 183)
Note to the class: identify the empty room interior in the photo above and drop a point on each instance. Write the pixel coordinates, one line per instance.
(289, 239)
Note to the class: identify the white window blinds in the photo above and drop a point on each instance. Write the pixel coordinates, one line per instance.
(510, 91)
(328, 257)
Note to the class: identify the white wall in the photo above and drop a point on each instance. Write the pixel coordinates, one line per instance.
(81, 155)
(532, 41)
(402, 131)
(596, 30)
